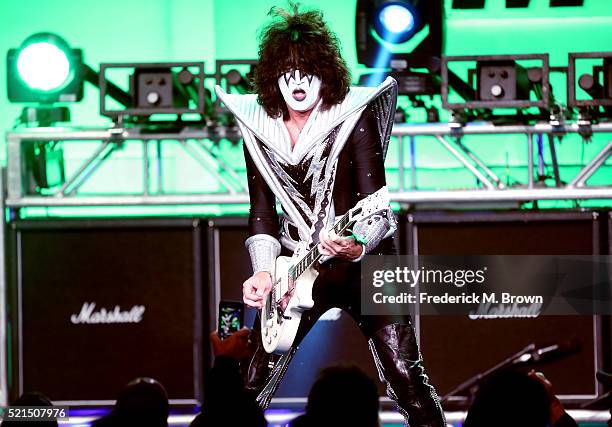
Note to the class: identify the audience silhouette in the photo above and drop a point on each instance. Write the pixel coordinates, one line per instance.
(31, 399)
(514, 398)
(341, 396)
(142, 402)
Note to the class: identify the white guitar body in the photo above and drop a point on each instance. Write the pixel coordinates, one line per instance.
(278, 332)
(280, 321)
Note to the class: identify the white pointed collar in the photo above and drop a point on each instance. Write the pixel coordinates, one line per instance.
(272, 131)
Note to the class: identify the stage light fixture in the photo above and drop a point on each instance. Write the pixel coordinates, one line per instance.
(154, 88)
(45, 70)
(502, 80)
(395, 23)
(43, 66)
(237, 80)
(597, 83)
(399, 34)
(497, 81)
(44, 166)
(235, 75)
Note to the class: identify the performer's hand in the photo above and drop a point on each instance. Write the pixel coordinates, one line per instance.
(256, 288)
(342, 247)
(236, 346)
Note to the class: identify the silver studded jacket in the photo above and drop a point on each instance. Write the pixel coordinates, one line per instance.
(338, 160)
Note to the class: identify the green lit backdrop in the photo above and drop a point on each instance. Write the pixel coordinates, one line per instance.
(206, 30)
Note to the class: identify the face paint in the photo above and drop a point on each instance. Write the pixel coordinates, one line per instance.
(300, 91)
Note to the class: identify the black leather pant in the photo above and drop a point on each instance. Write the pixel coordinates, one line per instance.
(391, 340)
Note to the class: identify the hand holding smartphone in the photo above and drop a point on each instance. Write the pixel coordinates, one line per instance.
(231, 318)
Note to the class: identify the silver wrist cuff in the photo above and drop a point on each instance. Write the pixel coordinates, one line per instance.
(263, 250)
(376, 228)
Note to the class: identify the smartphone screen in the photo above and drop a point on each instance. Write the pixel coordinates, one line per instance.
(230, 318)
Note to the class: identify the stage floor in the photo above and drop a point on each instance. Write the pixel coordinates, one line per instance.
(281, 418)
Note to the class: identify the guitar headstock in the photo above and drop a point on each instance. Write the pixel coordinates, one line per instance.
(374, 203)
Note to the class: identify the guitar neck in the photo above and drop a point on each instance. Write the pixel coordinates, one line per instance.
(313, 254)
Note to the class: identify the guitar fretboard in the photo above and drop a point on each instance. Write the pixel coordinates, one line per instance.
(313, 254)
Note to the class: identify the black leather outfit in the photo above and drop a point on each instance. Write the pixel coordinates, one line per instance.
(392, 341)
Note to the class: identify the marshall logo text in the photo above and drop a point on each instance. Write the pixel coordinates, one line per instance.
(104, 316)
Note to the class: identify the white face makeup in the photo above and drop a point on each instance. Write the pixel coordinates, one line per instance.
(300, 91)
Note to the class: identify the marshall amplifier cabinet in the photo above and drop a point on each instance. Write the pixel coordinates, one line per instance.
(457, 348)
(335, 339)
(95, 304)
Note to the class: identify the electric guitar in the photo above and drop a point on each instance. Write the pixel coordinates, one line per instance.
(293, 279)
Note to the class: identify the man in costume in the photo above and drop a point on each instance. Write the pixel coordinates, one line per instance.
(318, 145)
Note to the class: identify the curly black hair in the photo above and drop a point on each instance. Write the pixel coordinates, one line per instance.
(298, 40)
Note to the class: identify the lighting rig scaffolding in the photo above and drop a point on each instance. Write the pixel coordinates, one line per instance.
(133, 94)
(199, 144)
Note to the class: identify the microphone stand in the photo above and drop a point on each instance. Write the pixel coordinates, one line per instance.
(518, 358)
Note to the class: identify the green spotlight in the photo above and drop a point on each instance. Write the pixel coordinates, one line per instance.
(44, 69)
(43, 66)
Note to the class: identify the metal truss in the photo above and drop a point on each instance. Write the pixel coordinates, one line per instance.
(198, 144)
(450, 136)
